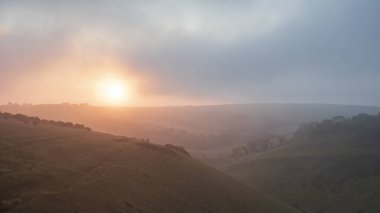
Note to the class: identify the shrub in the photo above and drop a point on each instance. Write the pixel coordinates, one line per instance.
(36, 120)
(179, 149)
(158, 148)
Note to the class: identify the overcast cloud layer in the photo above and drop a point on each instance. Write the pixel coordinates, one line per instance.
(212, 51)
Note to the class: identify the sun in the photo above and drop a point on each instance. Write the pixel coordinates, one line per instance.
(114, 91)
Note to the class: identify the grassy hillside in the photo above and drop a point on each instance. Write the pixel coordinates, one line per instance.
(332, 166)
(49, 168)
(194, 127)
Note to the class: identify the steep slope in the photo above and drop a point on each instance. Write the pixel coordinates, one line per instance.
(333, 166)
(45, 168)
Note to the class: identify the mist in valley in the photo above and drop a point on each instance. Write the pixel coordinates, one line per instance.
(196, 106)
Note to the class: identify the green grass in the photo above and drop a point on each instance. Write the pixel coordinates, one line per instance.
(45, 168)
(330, 173)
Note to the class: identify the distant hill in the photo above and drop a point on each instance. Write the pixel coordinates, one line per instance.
(330, 166)
(194, 127)
(51, 168)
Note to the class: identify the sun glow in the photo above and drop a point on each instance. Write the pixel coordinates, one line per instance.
(114, 91)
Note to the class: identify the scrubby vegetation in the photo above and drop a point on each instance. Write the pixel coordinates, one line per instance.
(179, 149)
(329, 166)
(260, 145)
(36, 120)
(167, 149)
(364, 128)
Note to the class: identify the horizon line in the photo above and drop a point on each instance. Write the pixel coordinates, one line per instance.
(185, 105)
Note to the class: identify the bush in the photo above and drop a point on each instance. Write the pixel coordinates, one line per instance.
(155, 147)
(36, 120)
(179, 149)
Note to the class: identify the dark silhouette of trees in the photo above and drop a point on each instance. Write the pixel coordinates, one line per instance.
(36, 120)
(179, 149)
(259, 145)
(364, 127)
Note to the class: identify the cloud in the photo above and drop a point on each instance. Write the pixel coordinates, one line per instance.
(240, 51)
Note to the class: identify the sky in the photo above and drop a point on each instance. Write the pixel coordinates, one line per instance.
(174, 52)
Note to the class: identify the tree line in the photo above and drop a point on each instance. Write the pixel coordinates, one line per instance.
(364, 127)
(34, 120)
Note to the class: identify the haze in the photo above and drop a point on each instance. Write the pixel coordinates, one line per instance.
(190, 106)
(193, 52)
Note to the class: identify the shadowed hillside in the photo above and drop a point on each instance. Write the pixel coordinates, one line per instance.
(49, 168)
(330, 166)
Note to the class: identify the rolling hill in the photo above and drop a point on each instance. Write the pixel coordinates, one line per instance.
(331, 166)
(50, 168)
(193, 127)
